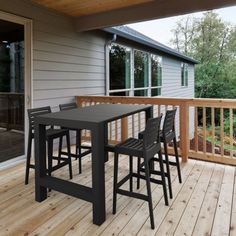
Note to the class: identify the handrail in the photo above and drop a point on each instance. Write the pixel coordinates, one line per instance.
(203, 138)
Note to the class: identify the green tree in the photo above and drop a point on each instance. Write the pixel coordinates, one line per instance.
(212, 42)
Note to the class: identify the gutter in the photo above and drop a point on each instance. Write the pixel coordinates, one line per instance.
(166, 50)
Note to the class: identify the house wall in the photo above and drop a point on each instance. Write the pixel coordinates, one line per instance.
(68, 64)
(65, 63)
(171, 79)
(171, 86)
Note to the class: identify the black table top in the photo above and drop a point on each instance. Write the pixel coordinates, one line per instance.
(91, 114)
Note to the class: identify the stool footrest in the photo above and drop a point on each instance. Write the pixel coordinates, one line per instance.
(156, 181)
(58, 166)
(126, 178)
(61, 158)
(132, 194)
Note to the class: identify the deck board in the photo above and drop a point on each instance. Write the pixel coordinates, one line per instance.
(204, 204)
(221, 225)
(206, 215)
(233, 213)
(189, 216)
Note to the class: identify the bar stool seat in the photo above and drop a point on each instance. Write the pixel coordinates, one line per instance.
(167, 135)
(142, 149)
(51, 135)
(54, 133)
(131, 145)
(79, 146)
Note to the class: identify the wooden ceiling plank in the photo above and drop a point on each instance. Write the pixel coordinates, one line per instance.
(87, 7)
(147, 11)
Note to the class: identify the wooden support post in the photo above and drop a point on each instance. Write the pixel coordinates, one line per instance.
(184, 131)
(124, 128)
(79, 101)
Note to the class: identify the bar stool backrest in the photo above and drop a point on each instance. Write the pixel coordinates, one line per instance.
(67, 106)
(32, 113)
(169, 121)
(151, 133)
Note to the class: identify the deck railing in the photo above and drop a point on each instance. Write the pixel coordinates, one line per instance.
(205, 127)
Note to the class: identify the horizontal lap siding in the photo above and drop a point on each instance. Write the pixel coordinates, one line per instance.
(66, 66)
(172, 79)
(171, 76)
(65, 63)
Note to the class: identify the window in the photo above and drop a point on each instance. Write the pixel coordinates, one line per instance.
(120, 69)
(134, 72)
(140, 69)
(184, 74)
(156, 75)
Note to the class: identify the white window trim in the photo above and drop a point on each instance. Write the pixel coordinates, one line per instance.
(185, 85)
(132, 89)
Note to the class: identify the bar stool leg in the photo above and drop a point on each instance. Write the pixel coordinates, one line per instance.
(115, 182)
(50, 153)
(163, 179)
(78, 134)
(28, 159)
(78, 149)
(131, 173)
(60, 149)
(138, 172)
(149, 193)
(177, 159)
(69, 152)
(168, 169)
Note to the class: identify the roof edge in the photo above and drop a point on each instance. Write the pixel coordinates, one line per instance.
(152, 45)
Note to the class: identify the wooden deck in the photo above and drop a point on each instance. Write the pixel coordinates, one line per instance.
(204, 204)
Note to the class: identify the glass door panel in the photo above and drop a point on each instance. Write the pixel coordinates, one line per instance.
(12, 97)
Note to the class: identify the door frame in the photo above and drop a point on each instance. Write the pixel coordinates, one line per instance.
(28, 67)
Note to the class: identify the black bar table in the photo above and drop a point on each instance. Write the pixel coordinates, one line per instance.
(95, 119)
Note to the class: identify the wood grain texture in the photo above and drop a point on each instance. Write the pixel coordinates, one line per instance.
(186, 122)
(87, 7)
(207, 192)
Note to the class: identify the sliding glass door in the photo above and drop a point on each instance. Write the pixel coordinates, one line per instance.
(12, 94)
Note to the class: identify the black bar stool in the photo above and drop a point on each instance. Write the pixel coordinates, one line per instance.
(78, 152)
(146, 150)
(167, 135)
(51, 134)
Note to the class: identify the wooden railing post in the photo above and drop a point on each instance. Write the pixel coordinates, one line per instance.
(79, 101)
(203, 139)
(184, 131)
(124, 128)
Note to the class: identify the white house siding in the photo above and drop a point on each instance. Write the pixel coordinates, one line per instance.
(65, 63)
(171, 81)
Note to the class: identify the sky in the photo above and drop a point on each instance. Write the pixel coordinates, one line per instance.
(160, 30)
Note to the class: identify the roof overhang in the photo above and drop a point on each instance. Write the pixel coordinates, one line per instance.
(163, 49)
(97, 14)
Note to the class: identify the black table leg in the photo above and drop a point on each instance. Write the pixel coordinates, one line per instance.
(98, 174)
(40, 161)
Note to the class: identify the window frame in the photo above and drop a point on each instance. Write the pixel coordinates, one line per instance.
(132, 89)
(157, 86)
(108, 90)
(184, 74)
